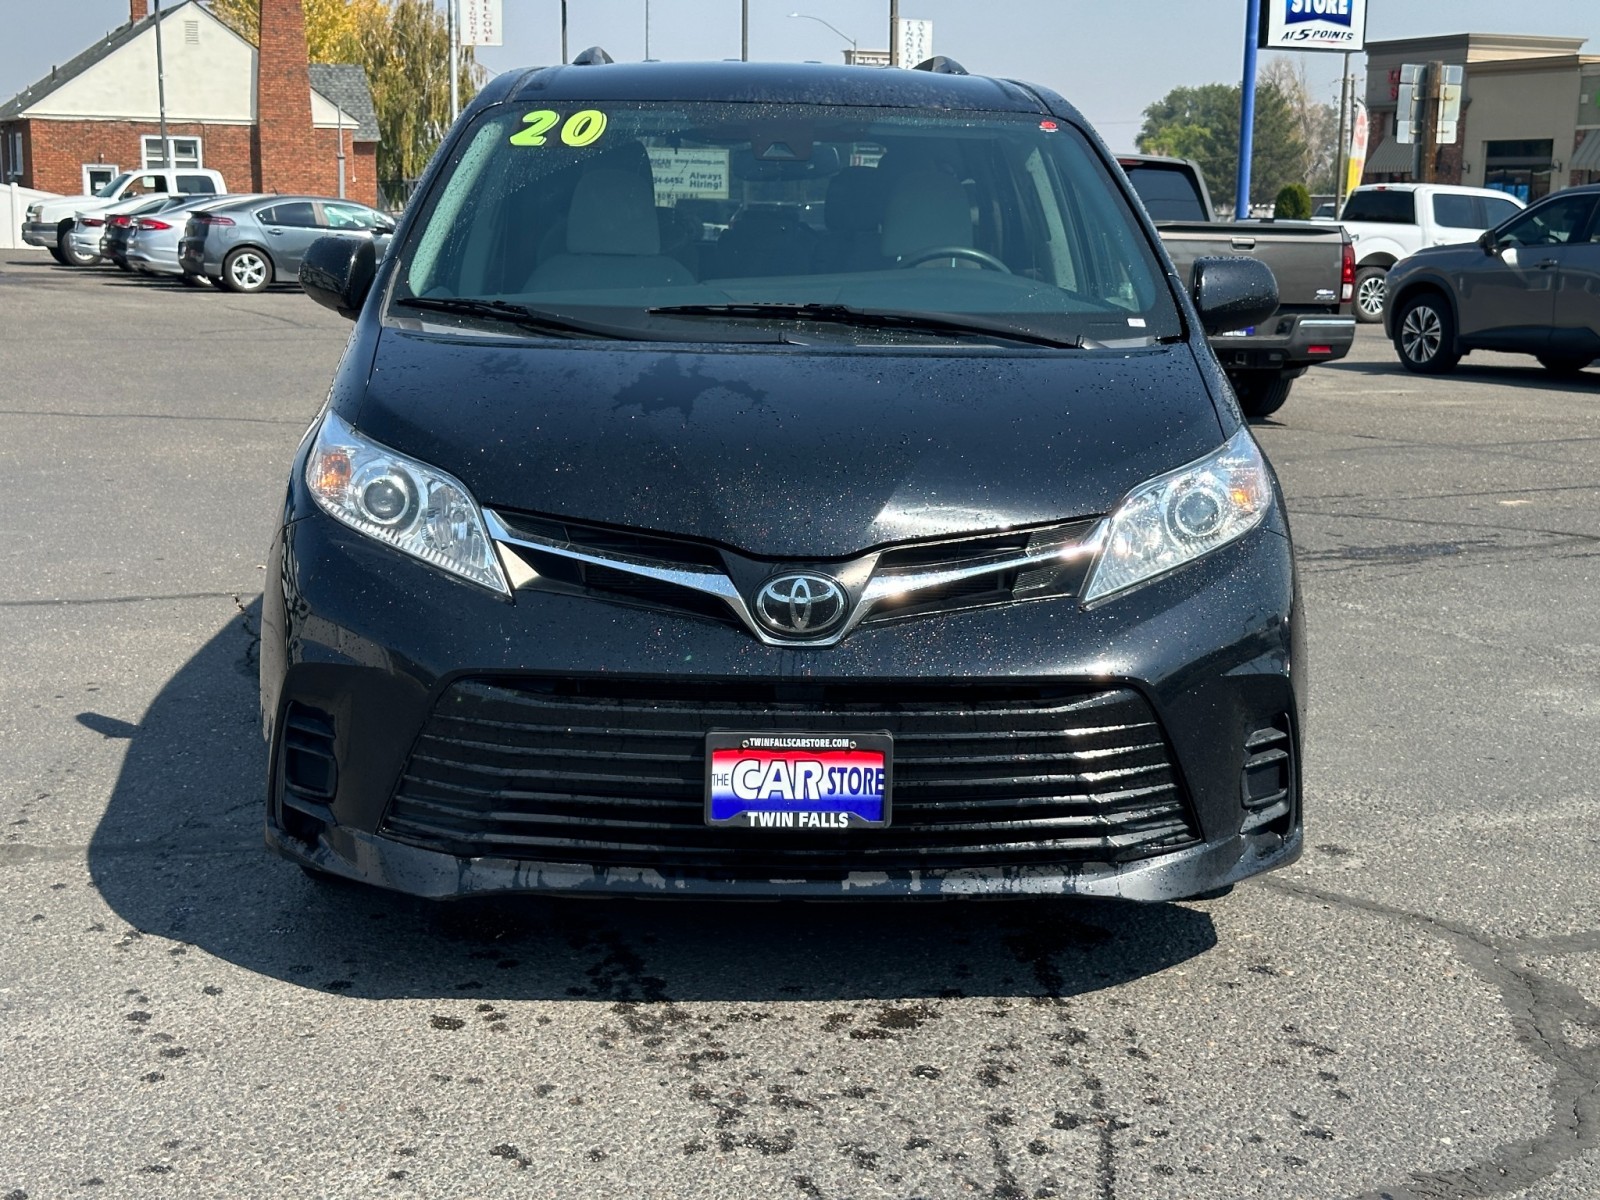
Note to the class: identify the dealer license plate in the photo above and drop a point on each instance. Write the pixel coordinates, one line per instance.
(798, 780)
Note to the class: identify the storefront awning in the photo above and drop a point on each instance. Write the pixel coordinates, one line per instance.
(1587, 157)
(1392, 158)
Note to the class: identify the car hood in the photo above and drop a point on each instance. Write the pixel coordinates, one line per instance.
(784, 452)
(1458, 254)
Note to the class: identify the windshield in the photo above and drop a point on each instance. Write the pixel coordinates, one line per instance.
(109, 189)
(631, 206)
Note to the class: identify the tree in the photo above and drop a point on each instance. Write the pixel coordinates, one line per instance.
(330, 24)
(1293, 202)
(404, 47)
(1316, 123)
(1202, 123)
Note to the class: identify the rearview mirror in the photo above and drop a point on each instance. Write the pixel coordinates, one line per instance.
(1232, 292)
(337, 273)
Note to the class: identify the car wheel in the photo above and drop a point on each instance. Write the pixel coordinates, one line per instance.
(216, 282)
(1261, 394)
(55, 253)
(72, 257)
(1372, 284)
(1565, 368)
(246, 270)
(1425, 335)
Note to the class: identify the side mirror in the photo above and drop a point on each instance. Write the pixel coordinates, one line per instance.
(1232, 293)
(383, 227)
(1489, 242)
(337, 273)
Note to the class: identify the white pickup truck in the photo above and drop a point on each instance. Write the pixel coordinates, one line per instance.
(49, 223)
(1388, 221)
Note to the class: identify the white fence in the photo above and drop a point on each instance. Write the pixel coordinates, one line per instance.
(14, 203)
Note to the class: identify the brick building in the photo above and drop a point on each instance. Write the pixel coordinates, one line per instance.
(1530, 112)
(264, 118)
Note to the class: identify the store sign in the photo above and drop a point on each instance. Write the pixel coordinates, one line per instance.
(480, 22)
(1313, 25)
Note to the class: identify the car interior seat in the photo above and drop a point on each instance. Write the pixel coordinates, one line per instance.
(613, 238)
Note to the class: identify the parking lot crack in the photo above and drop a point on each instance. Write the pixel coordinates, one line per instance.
(1541, 1010)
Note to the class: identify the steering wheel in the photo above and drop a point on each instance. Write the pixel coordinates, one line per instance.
(978, 256)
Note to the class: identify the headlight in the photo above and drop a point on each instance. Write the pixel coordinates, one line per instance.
(413, 507)
(1177, 517)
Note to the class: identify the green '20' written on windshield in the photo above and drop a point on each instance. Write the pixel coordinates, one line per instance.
(582, 128)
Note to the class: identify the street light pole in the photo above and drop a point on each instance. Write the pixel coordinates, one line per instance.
(647, 30)
(744, 30)
(894, 29)
(854, 49)
(161, 93)
(455, 95)
(563, 31)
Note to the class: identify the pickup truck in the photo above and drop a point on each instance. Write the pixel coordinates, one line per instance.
(1312, 262)
(1390, 221)
(49, 223)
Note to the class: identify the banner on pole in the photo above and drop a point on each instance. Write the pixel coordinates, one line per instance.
(914, 39)
(1359, 133)
(1313, 25)
(480, 22)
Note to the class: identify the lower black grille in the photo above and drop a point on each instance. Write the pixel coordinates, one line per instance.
(612, 775)
(310, 769)
(1268, 776)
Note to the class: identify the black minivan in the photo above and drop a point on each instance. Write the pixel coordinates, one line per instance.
(781, 480)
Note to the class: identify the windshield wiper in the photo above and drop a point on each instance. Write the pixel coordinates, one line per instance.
(875, 318)
(537, 320)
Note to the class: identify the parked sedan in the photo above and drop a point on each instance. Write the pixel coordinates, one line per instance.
(1531, 286)
(243, 246)
(152, 247)
(87, 237)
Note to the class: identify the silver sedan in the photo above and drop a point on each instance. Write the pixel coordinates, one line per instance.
(244, 246)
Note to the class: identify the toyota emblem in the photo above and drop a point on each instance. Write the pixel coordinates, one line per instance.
(800, 605)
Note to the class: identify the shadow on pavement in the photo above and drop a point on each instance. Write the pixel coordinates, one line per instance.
(179, 854)
(1530, 376)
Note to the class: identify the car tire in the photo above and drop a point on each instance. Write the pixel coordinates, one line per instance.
(1425, 335)
(1562, 367)
(71, 256)
(247, 270)
(1371, 287)
(1261, 394)
(55, 253)
(216, 282)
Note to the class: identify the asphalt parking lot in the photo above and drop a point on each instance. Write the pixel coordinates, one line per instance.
(1413, 1010)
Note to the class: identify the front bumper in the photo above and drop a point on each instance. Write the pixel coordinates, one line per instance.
(372, 642)
(37, 233)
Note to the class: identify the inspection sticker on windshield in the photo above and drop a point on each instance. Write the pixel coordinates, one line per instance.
(798, 780)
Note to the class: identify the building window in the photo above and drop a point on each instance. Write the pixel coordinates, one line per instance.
(13, 154)
(185, 152)
(96, 176)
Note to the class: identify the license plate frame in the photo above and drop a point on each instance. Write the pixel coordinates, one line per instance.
(727, 807)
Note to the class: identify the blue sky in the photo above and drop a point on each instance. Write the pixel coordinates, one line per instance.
(1110, 59)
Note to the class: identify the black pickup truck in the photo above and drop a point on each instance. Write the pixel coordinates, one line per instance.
(1314, 264)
